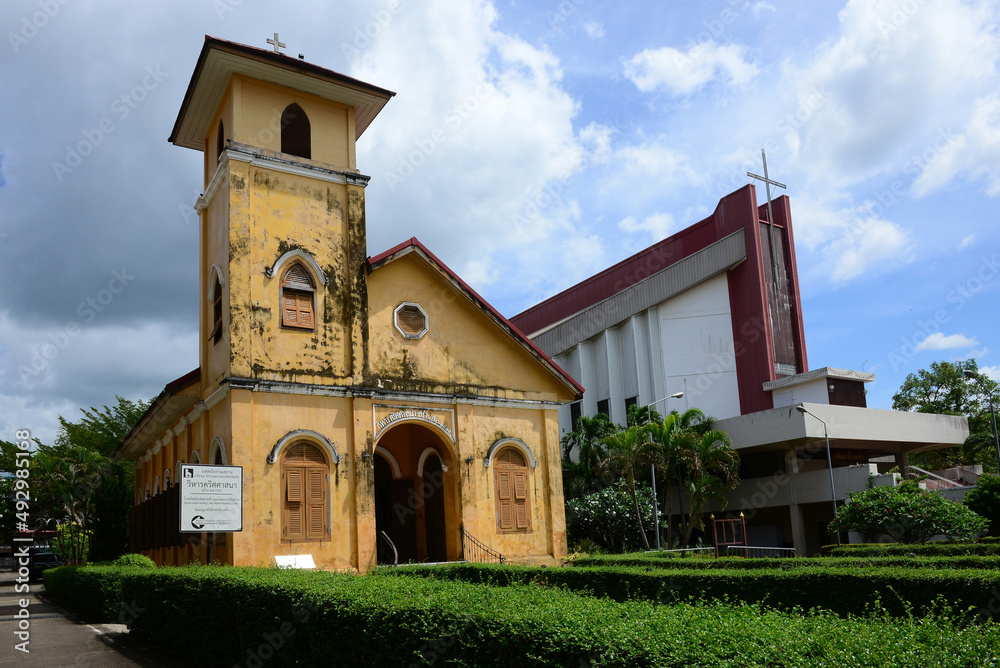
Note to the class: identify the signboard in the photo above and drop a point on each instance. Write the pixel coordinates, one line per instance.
(384, 416)
(211, 498)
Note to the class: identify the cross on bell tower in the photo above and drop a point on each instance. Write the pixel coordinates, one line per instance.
(278, 45)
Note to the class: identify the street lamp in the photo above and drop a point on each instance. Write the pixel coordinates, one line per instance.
(972, 375)
(652, 468)
(833, 490)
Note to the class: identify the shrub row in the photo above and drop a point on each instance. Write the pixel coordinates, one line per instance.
(641, 560)
(898, 591)
(939, 549)
(253, 617)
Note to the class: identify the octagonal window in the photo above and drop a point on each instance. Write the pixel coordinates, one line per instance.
(410, 320)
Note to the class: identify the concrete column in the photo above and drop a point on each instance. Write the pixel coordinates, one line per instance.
(902, 462)
(798, 529)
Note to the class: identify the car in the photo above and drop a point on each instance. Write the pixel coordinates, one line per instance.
(42, 560)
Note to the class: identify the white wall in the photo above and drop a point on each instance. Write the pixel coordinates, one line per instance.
(696, 339)
(811, 392)
(682, 345)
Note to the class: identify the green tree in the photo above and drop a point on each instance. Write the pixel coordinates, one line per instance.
(641, 415)
(8, 503)
(670, 437)
(711, 467)
(607, 517)
(78, 485)
(907, 514)
(984, 500)
(583, 450)
(625, 451)
(64, 479)
(945, 390)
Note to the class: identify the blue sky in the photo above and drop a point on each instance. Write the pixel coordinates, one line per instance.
(576, 133)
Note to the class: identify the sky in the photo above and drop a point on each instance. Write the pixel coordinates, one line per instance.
(529, 145)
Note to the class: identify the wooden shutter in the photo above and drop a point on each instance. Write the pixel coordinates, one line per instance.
(297, 298)
(315, 500)
(305, 514)
(512, 497)
(505, 502)
(521, 500)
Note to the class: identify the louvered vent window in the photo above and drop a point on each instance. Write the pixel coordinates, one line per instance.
(411, 320)
(512, 486)
(305, 487)
(216, 334)
(297, 299)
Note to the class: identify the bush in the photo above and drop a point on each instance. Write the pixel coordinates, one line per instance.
(845, 591)
(934, 548)
(907, 514)
(641, 560)
(984, 500)
(607, 518)
(136, 560)
(256, 616)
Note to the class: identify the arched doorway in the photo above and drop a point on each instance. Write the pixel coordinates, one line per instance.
(416, 494)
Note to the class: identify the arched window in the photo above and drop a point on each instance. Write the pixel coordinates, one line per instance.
(156, 485)
(510, 475)
(146, 497)
(297, 298)
(166, 479)
(305, 489)
(216, 310)
(220, 141)
(295, 132)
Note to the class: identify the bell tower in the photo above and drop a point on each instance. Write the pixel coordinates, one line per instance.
(282, 218)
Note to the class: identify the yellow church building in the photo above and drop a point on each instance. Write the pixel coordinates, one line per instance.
(380, 409)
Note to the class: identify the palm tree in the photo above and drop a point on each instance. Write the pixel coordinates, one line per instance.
(670, 436)
(712, 467)
(587, 440)
(626, 451)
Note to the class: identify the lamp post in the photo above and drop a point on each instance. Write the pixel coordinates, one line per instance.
(652, 468)
(829, 461)
(972, 375)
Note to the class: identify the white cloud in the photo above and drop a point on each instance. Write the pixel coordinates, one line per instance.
(852, 240)
(659, 225)
(887, 75)
(992, 372)
(967, 241)
(975, 153)
(593, 29)
(480, 136)
(939, 341)
(682, 73)
(759, 7)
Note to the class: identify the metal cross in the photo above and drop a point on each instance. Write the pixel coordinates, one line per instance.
(280, 45)
(768, 182)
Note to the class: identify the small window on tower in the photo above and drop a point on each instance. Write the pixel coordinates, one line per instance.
(410, 320)
(216, 335)
(297, 301)
(296, 133)
(220, 142)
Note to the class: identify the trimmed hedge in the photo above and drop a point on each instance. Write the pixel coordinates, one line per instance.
(642, 560)
(845, 591)
(936, 549)
(255, 616)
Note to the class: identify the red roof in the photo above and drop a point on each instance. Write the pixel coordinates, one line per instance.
(413, 244)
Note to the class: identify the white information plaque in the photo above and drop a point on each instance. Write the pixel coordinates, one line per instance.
(211, 498)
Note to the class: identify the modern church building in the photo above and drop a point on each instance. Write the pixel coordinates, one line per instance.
(715, 312)
(380, 409)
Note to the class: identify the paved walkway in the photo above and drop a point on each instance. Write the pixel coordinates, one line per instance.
(58, 639)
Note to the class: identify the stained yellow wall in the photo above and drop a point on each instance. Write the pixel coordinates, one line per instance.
(463, 352)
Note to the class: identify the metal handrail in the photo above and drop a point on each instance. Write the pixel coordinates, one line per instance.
(935, 476)
(385, 540)
(781, 551)
(475, 550)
